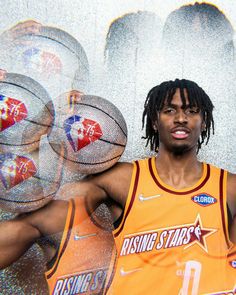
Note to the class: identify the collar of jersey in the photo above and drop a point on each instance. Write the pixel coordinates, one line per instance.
(184, 191)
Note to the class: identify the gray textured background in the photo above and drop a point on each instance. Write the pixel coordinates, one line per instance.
(88, 21)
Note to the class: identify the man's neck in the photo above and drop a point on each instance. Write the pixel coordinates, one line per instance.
(179, 171)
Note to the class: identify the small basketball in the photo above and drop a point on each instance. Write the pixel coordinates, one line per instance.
(92, 133)
(26, 112)
(25, 183)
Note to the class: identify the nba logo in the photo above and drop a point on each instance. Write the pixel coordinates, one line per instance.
(81, 132)
(15, 169)
(44, 62)
(11, 112)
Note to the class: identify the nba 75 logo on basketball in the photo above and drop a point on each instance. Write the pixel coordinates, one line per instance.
(11, 111)
(81, 132)
(15, 169)
(44, 62)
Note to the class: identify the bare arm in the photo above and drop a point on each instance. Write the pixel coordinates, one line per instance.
(111, 185)
(15, 238)
(231, 193)
(231, 201)
(17, 235)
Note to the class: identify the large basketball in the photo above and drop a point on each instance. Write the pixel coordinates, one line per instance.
(93, 133)
(26, 184)
(52, 57)
(26, 111)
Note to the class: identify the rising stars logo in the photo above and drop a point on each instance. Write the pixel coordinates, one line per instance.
(187, 235)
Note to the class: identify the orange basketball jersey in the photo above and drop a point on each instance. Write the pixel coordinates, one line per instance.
(83, 257)
(173, 241)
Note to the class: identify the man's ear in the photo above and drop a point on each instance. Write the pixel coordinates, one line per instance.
(155, 126)
(203, 126)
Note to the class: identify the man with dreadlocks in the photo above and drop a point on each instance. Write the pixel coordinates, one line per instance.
(174, 216)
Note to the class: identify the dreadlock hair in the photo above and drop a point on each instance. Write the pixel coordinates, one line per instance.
(163, 93)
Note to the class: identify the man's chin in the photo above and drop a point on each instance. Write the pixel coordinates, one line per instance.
(180, 149)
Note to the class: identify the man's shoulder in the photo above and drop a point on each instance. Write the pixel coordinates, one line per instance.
(231, 179)
(127, 167)
(216, 167)
(231, 193)
(120, 167)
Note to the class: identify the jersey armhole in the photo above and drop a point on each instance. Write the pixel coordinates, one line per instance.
(64, 239)
(223, 205)
(130, 198)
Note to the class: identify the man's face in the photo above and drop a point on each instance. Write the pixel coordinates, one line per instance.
(179, 126)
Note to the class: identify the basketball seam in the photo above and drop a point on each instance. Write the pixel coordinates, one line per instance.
(85, 163)
(23, 144)
(113, 143)
(77, 55)
(104, 113)
(45, 179)
(20, 86)
(25, 202)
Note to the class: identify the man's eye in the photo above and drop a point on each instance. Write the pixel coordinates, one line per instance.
(169, 111)
(192, 111)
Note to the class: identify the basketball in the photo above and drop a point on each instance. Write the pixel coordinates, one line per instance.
(25, 183)
(50, 56)
(27, 113)
(92, 134)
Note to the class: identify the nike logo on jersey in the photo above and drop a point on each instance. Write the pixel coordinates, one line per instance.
(128, 272)
(81, 237)
(142, 198)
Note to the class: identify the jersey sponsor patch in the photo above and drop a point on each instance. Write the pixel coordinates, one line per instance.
(15, 169)
(11, 111)
(204, 199)
(81, 132)
(45, 62)
(89, 282)
(184, 235)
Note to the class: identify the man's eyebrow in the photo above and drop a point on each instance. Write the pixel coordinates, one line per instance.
(182, 107)
(169, 105)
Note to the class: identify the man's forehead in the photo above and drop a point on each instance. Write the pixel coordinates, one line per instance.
(179, 98)
(178, 102)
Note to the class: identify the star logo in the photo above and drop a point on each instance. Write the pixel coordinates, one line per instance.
(81, 132)
(11, 111)
(199, 234)
(15, 169)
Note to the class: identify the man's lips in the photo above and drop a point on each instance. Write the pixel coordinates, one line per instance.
(180, 132)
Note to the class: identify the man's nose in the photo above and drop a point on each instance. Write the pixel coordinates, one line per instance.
(181, 117)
